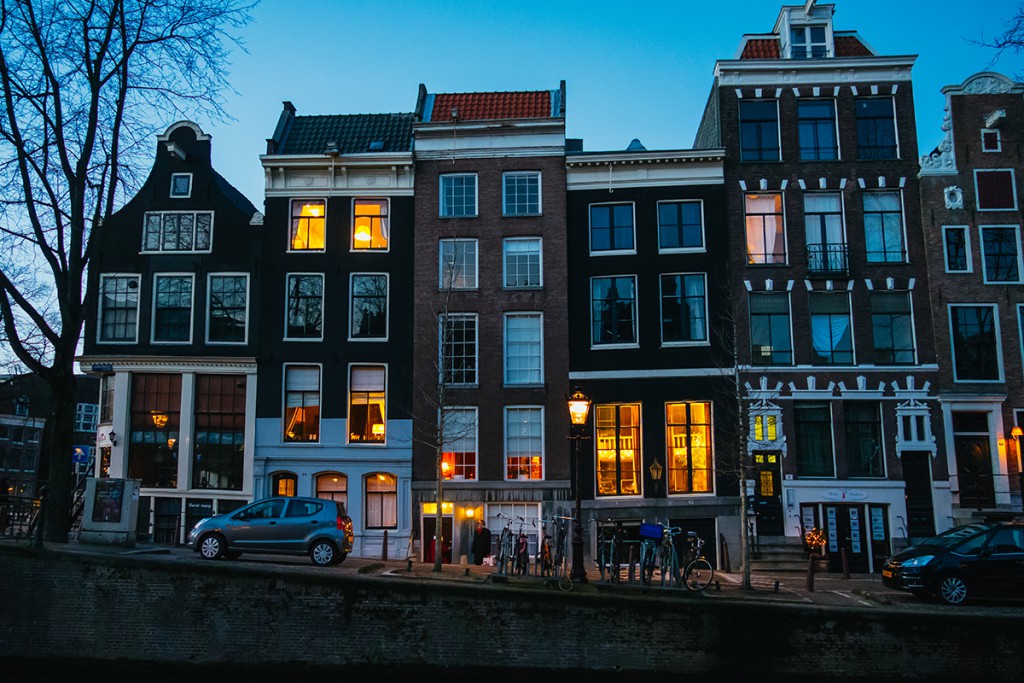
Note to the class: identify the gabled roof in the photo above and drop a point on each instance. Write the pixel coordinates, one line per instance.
(489, 106)
(341, 134)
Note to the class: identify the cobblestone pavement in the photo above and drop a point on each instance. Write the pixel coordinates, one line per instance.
(863, 591)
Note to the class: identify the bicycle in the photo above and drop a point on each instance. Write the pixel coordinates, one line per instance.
(610, 548)
(561, 557)
(668, 557)
(651, 536)
(505, 545)
(543, 562)
(521, 557)
(698, 572)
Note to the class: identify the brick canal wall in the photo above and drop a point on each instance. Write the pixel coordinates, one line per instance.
(142, 609)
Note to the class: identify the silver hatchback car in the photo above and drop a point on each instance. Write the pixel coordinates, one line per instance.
(292, 526)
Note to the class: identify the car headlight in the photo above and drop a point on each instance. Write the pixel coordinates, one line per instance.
(919, 561)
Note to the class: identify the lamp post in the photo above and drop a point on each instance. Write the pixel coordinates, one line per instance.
(1016, 433)
(656, 471)
(579, 407)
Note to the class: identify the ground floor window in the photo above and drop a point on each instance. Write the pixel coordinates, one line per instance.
(618, 449)
(219, 446)
(332, 486)
(155, 419)
(381, 501)
(688, 441)
(283, 484)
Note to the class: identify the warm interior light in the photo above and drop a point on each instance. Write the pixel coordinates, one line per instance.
(1017, 432)
(656, 470)
(311, 209)
(159, 419)
(470, 512)
(382, 477)
(378, 429)
(445, 467)
(579, 406)
(362, 232)
(171, 442)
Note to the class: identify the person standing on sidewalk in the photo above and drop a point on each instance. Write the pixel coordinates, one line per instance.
(481, 543)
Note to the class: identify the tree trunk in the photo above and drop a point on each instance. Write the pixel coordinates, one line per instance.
(58, 440)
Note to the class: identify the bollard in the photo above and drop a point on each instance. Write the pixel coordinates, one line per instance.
(776, 585)
(384, 547)
(846, 563)
(467, 571)
(726, 564)
(43, 491)
(408, 566)
(810, 575)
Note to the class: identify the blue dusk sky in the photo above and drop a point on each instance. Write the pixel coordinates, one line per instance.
(638, 70)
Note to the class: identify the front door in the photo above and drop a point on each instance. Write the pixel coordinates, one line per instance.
(845, 529)
(768, 494)
(917, 478)
(973, 459)
(429, 525)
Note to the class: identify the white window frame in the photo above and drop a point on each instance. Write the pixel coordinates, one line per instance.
(187, 195)
(284, 398)
(138, 308)
(905, 251)
(703, 233)
(966, 229)
(504, 196)
(291, 216)
(998, 336)
(540, 342)
(636, 310)
(195, 222)
(1013, 185)
(913, 322)
(348, 405)
(323, 307)
(385, 226)
(209, 308)
(808, 45)
(87, 416)
(661, 310)
(590, 230)
(504, 262)
(191, 309)
(456, 241)
(505, 440)
(474, 427)
(441, 199)
(999, 140)
(351, 307)
(849, 317)
(785, 231)
(1020, 257)
(476, 347)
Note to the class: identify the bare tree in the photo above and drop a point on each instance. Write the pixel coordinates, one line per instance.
(1010, 40)
(85, 83)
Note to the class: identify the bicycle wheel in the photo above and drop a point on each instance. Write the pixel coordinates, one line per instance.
(698, 574)
(646, 564)
(564, 580)
(504, 551)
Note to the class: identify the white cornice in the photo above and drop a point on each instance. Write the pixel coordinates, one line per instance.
(489, 152)
(245, 364)
(503, 126)
(733, 72)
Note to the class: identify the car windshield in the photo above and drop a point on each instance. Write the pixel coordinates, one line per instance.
(956, 536)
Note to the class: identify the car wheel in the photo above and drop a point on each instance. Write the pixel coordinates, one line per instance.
(211, 546)
(952, 590)
(323, 553)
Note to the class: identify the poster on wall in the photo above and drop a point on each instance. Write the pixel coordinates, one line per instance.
(107, 501)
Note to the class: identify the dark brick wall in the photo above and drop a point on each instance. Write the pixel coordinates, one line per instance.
(115, 608)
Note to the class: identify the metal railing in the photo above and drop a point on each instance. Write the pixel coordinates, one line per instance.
(827, 259)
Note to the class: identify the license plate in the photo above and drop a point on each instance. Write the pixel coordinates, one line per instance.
(886, 573)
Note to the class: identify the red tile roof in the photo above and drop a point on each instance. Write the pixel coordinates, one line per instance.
(761, 48)
(850, 46)
(475, 106)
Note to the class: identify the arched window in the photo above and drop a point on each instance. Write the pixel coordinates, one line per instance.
(283, 484)
(381, 501)
(332, 486)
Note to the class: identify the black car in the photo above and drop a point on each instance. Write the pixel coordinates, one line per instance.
(977, 560)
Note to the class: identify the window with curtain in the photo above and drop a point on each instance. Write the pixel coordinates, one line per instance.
(766, 236)
(688, 447)
(367, 404)
(831, 337)
(892, 328)
(883, 227)
(460, 443)
(812, 424)
(524, 357)
(613, 310)
(370, 225)
(283, 484)
(332, 486)
(823, 221)
(381, 501)
(618, 449)
(771, 341)
(301, 403)
(684, 313)
(862, 422)
(524, 442)
(308, 225)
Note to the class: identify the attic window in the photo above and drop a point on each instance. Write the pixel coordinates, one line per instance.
(990, 141)
(181, 185)
(377, 146)
(808, 42)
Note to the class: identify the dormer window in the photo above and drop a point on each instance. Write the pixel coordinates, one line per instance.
(808, 42)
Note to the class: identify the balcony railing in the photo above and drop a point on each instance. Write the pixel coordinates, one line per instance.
(827, 259)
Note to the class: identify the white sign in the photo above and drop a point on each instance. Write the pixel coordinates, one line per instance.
(844, 494)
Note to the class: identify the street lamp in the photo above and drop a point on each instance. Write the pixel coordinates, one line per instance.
(1016, 433)
(656, 471)
(579, 407)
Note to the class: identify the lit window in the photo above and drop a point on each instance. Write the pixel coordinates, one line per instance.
(618, 449)
(816, 129)
(680, 226)
(996, 189)
(766, 230)
(759, 131)
(684, 313)
(1000, 253)
(177, 231)
(457, 337)
(153, 437)
(771, 342)
(524, 357)
(688, 445)
(975, 343)
(831, 337)
(458, 264)
(460, 427)
(367, 403)
(172, 308)
(333, 486)
(219, 452)
(181, 185)
(766, 428)
(228, 309)
(613, 310)
(370, 225)
(281, 484)
(522, 259)
(308, 224)
(301, 403)
(957, 247)
(381, 501)
(369, 306)
(458, 195)
(524, 443)
(883, 227)
(521, 193)
(305, 306)
(611, 227)
(119, 308)
(876, 128)
(892, 328)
